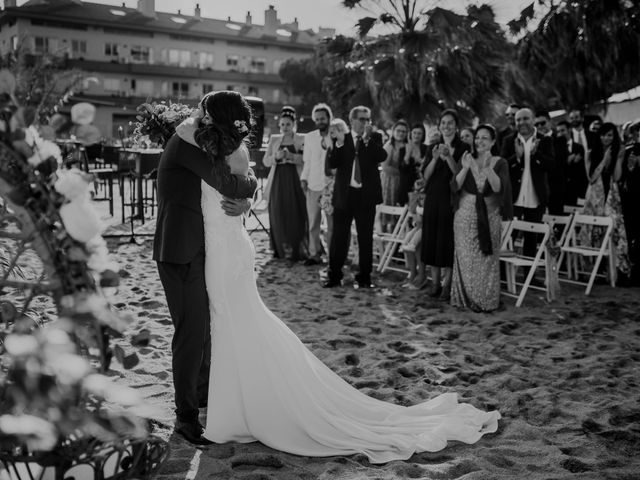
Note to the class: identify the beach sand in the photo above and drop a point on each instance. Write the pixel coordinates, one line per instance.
(565, 376)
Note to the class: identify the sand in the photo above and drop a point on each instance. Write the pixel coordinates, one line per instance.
(565, 376)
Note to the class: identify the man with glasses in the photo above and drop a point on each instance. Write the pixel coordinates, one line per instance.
(357, 191)
(556, 173)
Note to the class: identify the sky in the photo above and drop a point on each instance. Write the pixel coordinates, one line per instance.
(310, 13)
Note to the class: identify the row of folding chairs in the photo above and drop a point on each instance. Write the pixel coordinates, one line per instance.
(575, 255)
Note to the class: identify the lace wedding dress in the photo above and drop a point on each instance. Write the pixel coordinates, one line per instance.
(266, 386)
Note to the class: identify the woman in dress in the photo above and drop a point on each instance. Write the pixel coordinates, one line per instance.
(603, 195)
(414, 155)
(287, 202)
(390, 175)
(441, 164)
(483, 199)
(466, 135)
(265, 385)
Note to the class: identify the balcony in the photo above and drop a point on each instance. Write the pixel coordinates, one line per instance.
(169, 71)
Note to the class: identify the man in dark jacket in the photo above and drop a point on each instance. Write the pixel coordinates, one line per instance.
(179, 252)
(530, 156)
(357, 191)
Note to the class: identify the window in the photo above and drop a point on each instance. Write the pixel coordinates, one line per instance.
(253, 91)
(232, 62)
(258, 65)
(78, 47)
(276, 65)
(276, 95)
(143, 87)
(112, 84)
(231, 87)
(140, 53)
(181, 58)
(180, 89)
(14, 42)
(205, 59)
(41, 44)
(207, 88)
(111, 49)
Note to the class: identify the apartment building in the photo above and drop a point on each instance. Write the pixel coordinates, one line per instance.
(130, 54)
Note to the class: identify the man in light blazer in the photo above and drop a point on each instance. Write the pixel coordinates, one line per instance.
(357, 190)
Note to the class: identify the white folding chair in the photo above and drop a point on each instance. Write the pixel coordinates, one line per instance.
(556, 222)
(258, 205)
(571, 209)
(512, 258)
(505, 228)
(386, 243)
(572, 246)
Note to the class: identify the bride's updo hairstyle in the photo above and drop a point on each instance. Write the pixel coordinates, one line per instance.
(226, 125)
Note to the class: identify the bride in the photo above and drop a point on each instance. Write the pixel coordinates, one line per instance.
(264, 384)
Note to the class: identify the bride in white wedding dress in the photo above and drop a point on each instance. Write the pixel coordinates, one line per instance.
(266, 386)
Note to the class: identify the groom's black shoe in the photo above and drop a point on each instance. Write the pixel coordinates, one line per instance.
(332, 283)
(191, 432)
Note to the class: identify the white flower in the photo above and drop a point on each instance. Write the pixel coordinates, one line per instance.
(97, 384)
(40, 434)
(68, 368)
(241, 125)
(20, 345)
(170, 116)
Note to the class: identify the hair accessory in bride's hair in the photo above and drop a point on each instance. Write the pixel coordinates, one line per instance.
(241, 125)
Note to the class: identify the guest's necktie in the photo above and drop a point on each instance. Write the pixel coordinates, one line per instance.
(356, 172)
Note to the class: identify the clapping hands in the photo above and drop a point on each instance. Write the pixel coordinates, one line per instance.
(467, 160)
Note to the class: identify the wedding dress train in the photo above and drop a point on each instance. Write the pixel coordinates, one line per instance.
(266, 386)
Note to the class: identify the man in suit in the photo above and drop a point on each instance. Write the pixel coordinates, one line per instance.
(530, 156)
(179, 252)
(556, 175)
(580, 134)
(356, 193)
(510, 115)
(571, 154)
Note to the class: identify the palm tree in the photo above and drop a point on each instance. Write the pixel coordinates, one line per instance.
(581, 52)
(454, 61)
(404, 14)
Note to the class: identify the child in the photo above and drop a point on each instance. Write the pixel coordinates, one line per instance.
(417, 278)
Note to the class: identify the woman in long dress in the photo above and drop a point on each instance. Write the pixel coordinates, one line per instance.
(287, 202)
(603, 195)
(266, 386)
(441, 164)
(390, 174)
(483, 197)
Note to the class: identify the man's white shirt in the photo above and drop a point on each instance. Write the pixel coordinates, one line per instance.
(313, 157)
(527, 198)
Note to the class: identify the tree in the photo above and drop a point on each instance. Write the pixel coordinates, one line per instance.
(581, 52)
(304, 79)
(404, 14)
(44, 82)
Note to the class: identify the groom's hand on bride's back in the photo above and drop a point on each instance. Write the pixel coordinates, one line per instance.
(235, 186)
(234, 207)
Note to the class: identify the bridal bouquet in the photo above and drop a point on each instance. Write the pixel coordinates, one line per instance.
(158, 121)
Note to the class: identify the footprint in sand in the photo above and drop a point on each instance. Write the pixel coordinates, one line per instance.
(256, 460)
(401, 347)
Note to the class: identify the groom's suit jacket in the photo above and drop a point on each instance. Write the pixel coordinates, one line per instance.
(180, 227)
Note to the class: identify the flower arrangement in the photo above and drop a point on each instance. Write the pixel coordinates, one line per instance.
(52, 397)
(158, 121)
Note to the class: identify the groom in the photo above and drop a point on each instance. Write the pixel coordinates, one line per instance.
(179, 252)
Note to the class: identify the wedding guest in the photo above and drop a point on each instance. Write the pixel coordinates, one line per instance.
(595, 125)
(466, 135)
(442, 163)
(630, 197)
(415, 152)
(557, 172)
(530, 156)
(312, 177)
(603, 195)
(433, 135)
(390, 175)
(580, 135)
(482, 200)
(571, 154)
(336, 127)
(412, 243)
(82, 117)
(356, 157)
(510, 116)
(287, 203)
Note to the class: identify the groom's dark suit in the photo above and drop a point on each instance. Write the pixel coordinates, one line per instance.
(357, 204)
(178, 250)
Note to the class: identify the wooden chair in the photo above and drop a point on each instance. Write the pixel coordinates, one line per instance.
(385, 243)
(574, 248)
(512, 258)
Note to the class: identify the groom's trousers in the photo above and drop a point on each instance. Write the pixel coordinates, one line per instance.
(184, 287)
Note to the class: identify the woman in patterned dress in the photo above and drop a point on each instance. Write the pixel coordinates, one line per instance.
(483, 197)
(390, 176)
